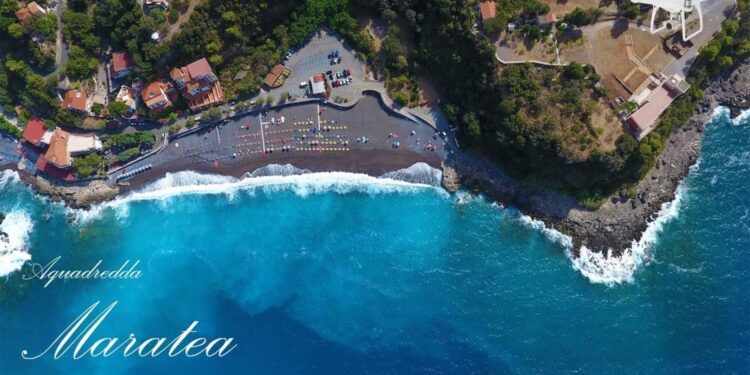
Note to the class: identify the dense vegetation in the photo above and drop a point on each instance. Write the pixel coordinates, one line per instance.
(88, 166)
(535, 122)
(491, 110)
(8, 128)
(139, 139)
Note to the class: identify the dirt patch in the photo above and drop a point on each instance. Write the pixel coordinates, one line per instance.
(562, 7)
(607, 49)
(377, 28)
(524, 49)
(428, 94)
(611, 128)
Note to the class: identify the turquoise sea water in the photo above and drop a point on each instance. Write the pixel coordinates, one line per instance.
(347, 274)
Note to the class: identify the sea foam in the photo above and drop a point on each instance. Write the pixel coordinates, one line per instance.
(193, 183)
(14, 235)
(419, 173)
(607, 269)
(8, 177)
(741, 119)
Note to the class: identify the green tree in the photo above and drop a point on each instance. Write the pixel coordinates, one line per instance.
(16, 31)
(117, 108)
(88, 166)
(494, 26)
(45, 25)
(80, 64)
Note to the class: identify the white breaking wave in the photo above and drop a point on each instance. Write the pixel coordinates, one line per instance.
(551, 234)
(419, 173)
(8, 177)
(601, 268)
(193, 183)
(608, 269)
(742, 118)
(277, 170)
(13, 243)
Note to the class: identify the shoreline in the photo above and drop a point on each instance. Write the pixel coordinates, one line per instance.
(369, 162)
(620, 221)
(613, 226)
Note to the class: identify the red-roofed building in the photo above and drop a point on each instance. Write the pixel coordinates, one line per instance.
(57, 152)
(48, 168)
(34, 131)
(487, 10)
(318, 85)
(63, 146)
(122, 65)
(198, 84)
(158, 95)
(29, 11)
(77, 100)
(23, 15)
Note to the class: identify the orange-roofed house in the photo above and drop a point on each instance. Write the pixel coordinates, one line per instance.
(158, 95)
(198, 84)
(122, 65)
(63, 146)
(277, 76)
(487, 10)
(23, 15)
(77, 100)
(34, 131)
(29, 11)
(57, 152)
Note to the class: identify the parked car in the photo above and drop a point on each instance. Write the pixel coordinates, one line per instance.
(303, 84)
(348, 72)
(336, 53)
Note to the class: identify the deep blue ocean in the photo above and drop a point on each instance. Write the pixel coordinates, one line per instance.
(343, 274)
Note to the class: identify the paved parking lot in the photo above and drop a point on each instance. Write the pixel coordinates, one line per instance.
(313, 59)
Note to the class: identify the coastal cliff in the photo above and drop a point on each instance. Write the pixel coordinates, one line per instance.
(76, 195)
(621, 220)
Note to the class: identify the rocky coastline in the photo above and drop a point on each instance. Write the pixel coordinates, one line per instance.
(614, 226)
(621, 220)
(74, 194)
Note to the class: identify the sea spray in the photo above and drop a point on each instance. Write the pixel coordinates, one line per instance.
(550, 233)
(603, 268)
(193, 183)
(8, 177)
(723, 112)
(14, 235)
(277, 170)
(419, 173)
